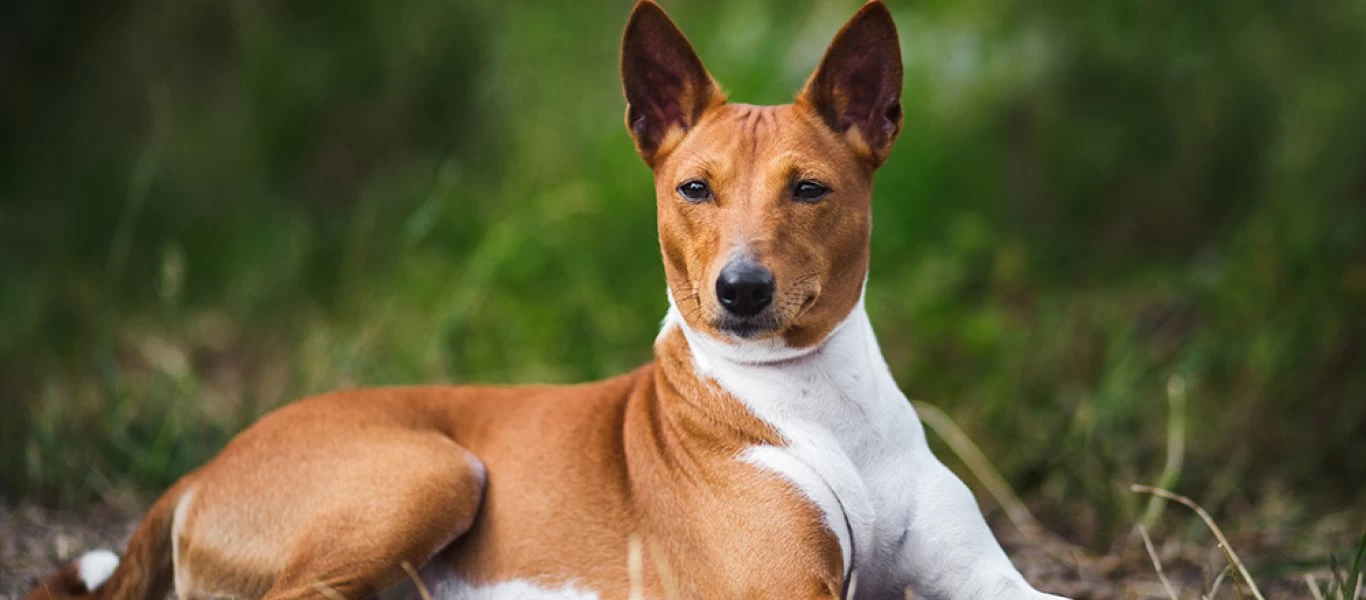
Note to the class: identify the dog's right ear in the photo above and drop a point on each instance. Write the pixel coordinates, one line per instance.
(667, 88)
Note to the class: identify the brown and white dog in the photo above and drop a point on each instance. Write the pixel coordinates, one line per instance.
(765, 453)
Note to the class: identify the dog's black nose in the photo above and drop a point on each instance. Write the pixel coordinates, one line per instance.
(744, 288)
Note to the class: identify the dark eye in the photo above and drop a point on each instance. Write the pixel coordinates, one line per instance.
(809, 191)
(695, 191)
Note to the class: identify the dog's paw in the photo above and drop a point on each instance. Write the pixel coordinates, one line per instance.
(1014, 590)
(1022, 591)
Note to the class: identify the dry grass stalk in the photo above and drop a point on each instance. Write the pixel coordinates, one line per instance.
(1176, 447)
(1313, 586)
(1209, 522)
(635, 567)
(666, 574)
(1157, 562)
(327, 590)
(417, 581)
(1218, 581)
(991, 479)
(1237, 581)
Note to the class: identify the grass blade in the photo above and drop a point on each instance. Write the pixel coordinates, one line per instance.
(1214, 528)
(1157, 562)
(1354, 577)
(1313, 585)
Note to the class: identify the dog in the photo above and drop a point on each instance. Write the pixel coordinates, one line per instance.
(766, 452)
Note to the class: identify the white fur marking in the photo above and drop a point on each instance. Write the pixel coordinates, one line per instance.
(850, 433)
(444, 585)
(95, 567)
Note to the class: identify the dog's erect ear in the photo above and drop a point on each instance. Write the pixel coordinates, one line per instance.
(857, 87)
(667, 88)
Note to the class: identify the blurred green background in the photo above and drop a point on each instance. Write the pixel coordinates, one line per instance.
(208, 208)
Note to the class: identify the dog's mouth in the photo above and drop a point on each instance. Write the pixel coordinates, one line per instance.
(767, 323)
(747, 328)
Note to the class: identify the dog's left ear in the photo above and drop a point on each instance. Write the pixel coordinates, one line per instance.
(667, 88)
(857, 87)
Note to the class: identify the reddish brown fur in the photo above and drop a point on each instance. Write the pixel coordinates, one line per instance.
(751, 156)
(340, 490)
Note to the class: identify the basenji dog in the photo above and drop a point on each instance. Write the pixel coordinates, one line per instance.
(766, 452)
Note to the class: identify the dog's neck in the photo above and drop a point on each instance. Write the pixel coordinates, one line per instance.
(824, 385)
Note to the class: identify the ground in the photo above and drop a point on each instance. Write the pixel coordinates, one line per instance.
(34, 541)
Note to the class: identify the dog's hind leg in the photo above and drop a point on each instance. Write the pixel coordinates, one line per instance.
(339, 523)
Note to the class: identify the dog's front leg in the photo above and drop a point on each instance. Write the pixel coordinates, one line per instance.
(948, 552)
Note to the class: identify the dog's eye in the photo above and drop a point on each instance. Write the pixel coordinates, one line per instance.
(695, 191)
(809, 191)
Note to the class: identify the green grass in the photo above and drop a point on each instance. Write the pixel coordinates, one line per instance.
(1348, 583)
(210, 209)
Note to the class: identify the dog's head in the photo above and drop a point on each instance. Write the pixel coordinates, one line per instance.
(764, 211)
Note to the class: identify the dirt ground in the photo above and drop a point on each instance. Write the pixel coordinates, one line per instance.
(35, 541)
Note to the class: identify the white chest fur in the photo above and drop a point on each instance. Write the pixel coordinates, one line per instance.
(856, 448)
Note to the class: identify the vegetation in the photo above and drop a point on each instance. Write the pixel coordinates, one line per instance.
(1119, 242)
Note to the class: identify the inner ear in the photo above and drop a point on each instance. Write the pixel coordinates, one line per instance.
(857, 87)
(667, 87)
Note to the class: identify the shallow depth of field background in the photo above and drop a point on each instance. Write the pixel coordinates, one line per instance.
(209, 208)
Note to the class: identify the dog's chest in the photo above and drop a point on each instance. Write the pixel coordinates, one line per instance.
(850, 442)
(856, 475)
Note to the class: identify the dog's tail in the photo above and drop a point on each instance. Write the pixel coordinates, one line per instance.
(143, 574)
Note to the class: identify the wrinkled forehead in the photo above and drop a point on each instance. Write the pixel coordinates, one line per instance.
(743, 141)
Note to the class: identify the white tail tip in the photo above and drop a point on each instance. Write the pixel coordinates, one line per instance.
(95, 567)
